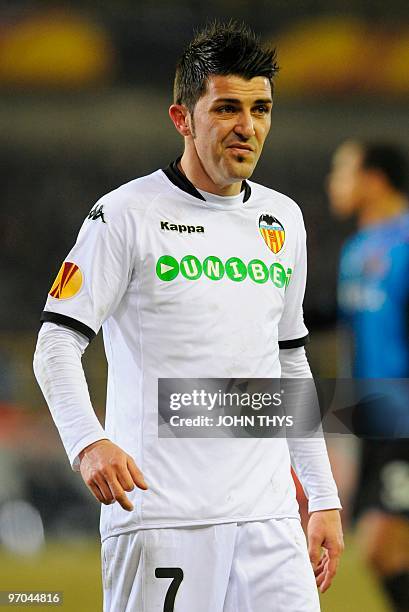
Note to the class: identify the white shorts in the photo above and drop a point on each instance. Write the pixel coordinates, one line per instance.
(260, 566)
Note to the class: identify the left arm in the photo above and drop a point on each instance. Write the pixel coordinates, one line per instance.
(310, 461)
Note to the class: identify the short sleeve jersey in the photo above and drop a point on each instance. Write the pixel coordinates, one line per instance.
(188, 287)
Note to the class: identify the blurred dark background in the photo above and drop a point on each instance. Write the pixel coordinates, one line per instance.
(84, 92)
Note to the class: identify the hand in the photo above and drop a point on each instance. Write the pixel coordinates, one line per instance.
(108, 472)
(325, 531)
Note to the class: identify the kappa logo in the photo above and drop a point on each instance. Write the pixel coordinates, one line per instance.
(175, 227)
(272, 232)
(97, 213)
(68, 282)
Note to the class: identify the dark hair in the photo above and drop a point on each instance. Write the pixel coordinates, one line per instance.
(221, 49)
(389, 159)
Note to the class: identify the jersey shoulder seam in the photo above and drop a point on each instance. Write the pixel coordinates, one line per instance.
(126, 197)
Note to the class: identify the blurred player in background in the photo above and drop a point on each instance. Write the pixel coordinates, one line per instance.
(186, 270)
(370, 181)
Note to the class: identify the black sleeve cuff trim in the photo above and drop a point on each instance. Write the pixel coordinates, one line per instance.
(55, 317)
(289, 344)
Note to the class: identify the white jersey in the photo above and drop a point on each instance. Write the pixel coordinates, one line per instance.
(188, 286)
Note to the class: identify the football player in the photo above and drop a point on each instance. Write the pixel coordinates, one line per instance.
(193, 271)
(369, 181)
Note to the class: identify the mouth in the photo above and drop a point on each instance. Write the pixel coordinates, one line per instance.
(241, 148)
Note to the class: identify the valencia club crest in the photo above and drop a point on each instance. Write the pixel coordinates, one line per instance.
(272, 232)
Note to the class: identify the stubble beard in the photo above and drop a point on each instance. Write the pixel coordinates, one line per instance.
(242, 163)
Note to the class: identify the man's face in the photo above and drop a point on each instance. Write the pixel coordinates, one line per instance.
(346, 181)
(230, 124)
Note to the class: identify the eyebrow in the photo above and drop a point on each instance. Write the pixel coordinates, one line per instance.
(237, 101)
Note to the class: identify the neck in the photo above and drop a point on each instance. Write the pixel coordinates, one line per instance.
(383, 208)
(193, 169)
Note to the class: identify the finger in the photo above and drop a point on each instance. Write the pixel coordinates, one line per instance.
(119, 494)
(320, 576)
(96, 492)
(125, 479)
(105, 490)
(325, 584)
(136, 474)
(124, 501)
(320, 579)
(320, 566)
(331, 570)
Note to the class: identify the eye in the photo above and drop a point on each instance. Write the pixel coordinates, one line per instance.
(226, 108)
(261, 109)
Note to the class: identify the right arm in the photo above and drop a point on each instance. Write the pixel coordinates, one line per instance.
(95, 277)
(105, 468)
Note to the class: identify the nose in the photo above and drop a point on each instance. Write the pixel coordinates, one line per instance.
(245, 125)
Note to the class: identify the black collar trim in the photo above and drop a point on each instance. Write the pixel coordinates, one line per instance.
(180, 180)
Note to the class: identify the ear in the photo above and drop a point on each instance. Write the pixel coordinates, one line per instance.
(181, 119)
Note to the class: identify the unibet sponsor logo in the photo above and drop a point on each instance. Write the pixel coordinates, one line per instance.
(176, 227)
(68, 282)
(191, 268)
